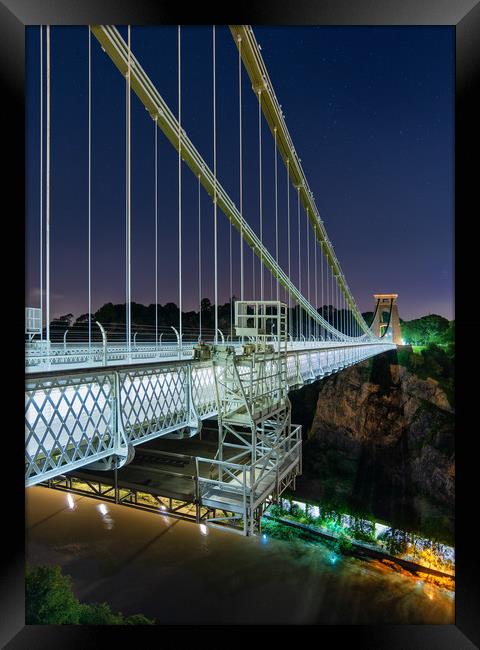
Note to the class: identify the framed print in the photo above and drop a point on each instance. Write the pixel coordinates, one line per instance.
(240, 361)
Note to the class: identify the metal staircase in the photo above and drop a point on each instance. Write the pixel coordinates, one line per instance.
(254, 420)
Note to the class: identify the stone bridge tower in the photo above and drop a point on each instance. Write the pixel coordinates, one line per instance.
(385, 301)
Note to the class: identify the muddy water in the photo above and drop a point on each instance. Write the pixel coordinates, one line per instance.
(180, 573)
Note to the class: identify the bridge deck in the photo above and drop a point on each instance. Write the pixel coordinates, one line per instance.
(80, 356)
(79, 416)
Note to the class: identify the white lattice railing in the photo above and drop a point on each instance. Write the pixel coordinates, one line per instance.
(74, 418)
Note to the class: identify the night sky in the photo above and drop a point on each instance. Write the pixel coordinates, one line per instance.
(371, 114)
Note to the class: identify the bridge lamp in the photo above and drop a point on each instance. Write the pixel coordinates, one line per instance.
(203, 529)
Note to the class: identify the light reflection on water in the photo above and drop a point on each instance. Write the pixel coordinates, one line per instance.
(106, 518)
(142, 562)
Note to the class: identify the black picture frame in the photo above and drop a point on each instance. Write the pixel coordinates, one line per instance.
(464, 15)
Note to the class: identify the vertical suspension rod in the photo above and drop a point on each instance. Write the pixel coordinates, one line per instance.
(156, 230)
(47, 197)
(41, 182)
(309, 330)
(323, 301)
(199, 262)
(316, 280)
(128, 201)
(240, 153)
(260, 186)
(180, 302)
(299, 319)
(215, 190)
(276, 211)
(288, 245)
(89, 189)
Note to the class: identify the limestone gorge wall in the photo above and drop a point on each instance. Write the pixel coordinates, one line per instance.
(379, 438)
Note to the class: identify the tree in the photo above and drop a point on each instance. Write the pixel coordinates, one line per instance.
(50, 601)
(98, 614)
(83, 318)
(101, 614)
(66, 318)
(448, 336)
(49, 597)
(425, 330)
(138, 619)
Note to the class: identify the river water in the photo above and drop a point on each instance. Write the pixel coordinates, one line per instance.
(181, 573)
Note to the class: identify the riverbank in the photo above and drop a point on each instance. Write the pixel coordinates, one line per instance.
(365, 536)
(363, 550)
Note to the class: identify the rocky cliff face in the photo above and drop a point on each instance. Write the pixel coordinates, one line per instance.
(382, 440)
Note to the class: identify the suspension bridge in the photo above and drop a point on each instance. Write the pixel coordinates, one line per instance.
(97, 391)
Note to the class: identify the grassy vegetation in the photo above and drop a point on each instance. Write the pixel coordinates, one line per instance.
(417, 349)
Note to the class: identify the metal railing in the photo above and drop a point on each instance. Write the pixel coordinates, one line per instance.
(246, 484)
(43, 356)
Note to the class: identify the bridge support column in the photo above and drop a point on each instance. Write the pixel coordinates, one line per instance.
(387, 302)
(124, 451)
(194, 423)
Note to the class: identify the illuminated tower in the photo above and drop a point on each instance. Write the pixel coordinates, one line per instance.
(386, 316)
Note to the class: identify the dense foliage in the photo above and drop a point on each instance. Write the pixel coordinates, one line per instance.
(432, 362)
(427, 330)
(418, 332)
(50, 601)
